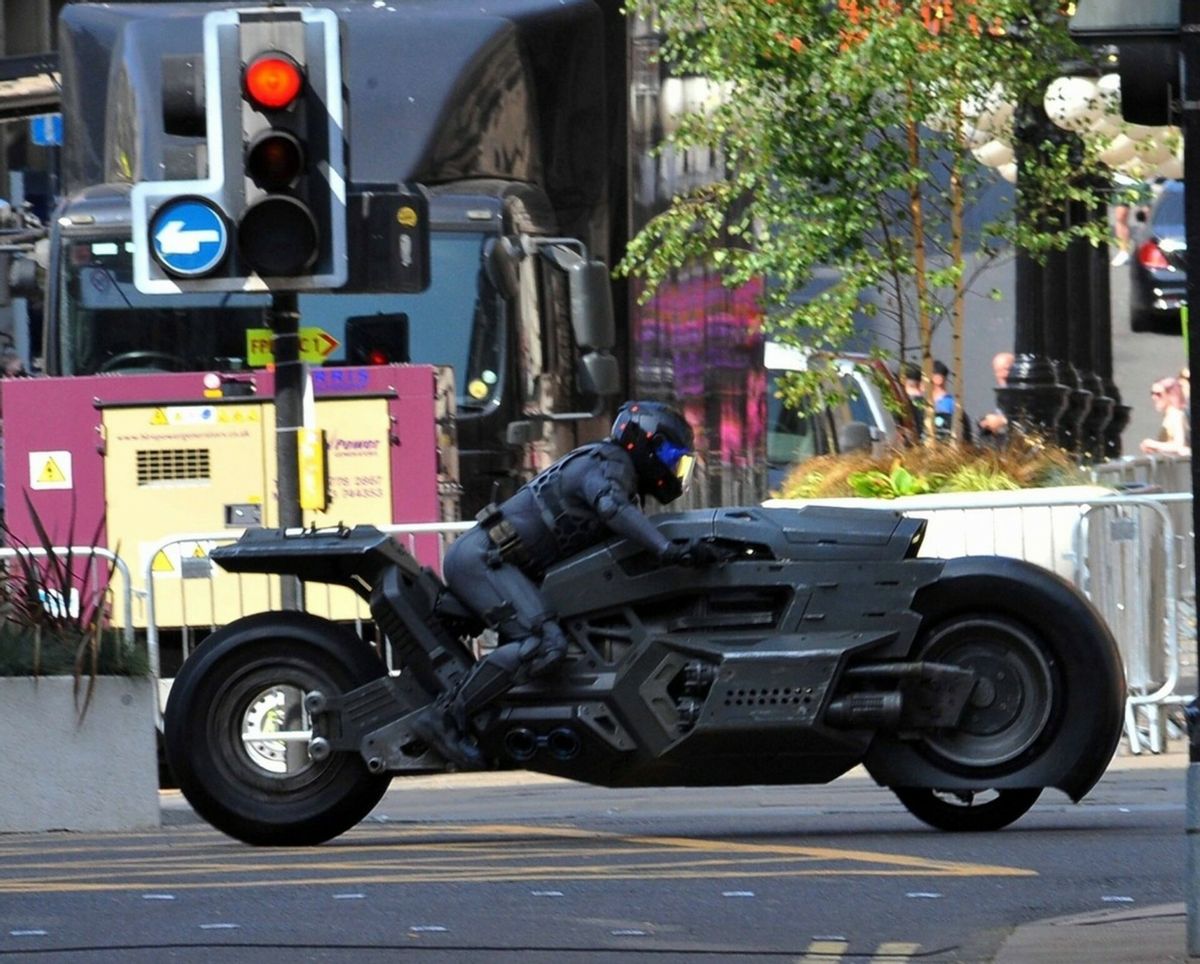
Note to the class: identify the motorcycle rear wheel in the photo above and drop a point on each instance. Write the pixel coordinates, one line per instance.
(234, 730)
(961, 812)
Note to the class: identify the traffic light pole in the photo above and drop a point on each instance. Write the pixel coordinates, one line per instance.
(1189, 51)
(284, 319)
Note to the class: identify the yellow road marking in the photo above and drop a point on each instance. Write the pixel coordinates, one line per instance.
(458, 853)
(822, 952)
(894, 952)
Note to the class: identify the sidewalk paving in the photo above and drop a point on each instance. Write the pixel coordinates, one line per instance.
(1142, 935)
(1147, 935)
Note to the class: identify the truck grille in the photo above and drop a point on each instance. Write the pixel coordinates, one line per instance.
(172, 465)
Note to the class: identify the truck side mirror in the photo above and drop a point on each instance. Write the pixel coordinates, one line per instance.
(23, 278)
(590, 295)
(502, 262)
(599, 374)
(591, 305)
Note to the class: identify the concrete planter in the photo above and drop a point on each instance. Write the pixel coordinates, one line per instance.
(61, 774)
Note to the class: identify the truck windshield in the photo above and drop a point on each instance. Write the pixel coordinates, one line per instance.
(107, 325)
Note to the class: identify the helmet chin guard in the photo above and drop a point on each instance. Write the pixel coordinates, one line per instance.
(661, 444)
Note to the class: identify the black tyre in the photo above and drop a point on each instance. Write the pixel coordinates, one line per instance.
(967, 811)
(1047, 709)
(234, 730)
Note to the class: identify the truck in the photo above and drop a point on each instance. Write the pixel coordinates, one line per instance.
(532, 129)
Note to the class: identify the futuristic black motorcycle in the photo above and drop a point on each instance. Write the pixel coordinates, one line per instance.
(967, 686)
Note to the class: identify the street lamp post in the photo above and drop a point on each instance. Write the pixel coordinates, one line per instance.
(1033, 397)
(1109, 431)
(1080, 349)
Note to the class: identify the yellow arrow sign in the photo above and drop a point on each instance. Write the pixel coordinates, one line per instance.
(316, 345)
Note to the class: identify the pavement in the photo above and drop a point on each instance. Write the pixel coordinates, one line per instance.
(1148, 934)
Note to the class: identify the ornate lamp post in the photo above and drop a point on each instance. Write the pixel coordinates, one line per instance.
(1033, 399)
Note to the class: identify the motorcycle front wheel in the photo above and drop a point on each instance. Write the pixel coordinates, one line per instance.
(236, 732)
(1045, 710)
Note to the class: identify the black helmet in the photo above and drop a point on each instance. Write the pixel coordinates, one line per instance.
(661, 444)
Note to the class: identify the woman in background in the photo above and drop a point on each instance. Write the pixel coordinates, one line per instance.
(1172, 439)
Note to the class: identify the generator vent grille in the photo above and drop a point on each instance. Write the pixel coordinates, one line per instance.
(172, 465)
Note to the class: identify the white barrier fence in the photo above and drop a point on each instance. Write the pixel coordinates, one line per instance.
(1150, 474)
(1124, 551)
(205, 616)
(92, 582)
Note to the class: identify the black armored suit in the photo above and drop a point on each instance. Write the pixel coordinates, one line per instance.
(494, 569)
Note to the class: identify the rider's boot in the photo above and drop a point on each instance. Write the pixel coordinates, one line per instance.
(445, 724)
(543, 653)
(435, 724)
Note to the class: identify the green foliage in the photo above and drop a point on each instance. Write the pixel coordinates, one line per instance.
(54, 614)
(1022, 464)
(975, 478)
(874, 484)
(845, 132)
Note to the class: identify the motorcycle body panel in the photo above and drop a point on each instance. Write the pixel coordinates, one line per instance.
(776, 626)
(821, 643)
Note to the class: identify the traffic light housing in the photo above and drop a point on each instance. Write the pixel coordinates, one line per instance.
(271, 215)
(1145, 34)
(379, 339)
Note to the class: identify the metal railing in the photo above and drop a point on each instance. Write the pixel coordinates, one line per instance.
(409, 534)
(1146, 474)
(93, 582)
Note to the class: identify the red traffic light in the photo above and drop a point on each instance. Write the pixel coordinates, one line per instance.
(272, 81)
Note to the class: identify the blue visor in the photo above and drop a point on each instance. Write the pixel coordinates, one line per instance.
(669, 453)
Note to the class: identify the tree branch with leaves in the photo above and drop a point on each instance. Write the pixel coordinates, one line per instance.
(846, 131)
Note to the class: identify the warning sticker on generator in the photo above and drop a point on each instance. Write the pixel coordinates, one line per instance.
(50, 470)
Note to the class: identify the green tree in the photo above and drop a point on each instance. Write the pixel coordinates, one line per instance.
(847, 131)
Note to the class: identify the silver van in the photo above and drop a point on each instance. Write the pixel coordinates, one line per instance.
(873, 413)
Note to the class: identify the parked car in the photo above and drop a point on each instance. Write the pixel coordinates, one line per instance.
(1157, 270)
(873, 411)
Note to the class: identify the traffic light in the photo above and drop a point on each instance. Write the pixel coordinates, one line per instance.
(1145, 34)
(380, 339)
(292, 221)
(271, 215)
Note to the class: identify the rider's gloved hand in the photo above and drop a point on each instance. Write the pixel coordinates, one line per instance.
(694, 552)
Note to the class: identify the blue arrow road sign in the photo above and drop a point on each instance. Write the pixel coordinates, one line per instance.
(45, 130)
(188, 237)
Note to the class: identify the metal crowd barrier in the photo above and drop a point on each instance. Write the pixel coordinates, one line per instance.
(93, 581)
(1147, 474)
(208, 619)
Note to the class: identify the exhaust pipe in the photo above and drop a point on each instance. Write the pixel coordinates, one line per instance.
(563, 743)
(521, 743)
(866, 710)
